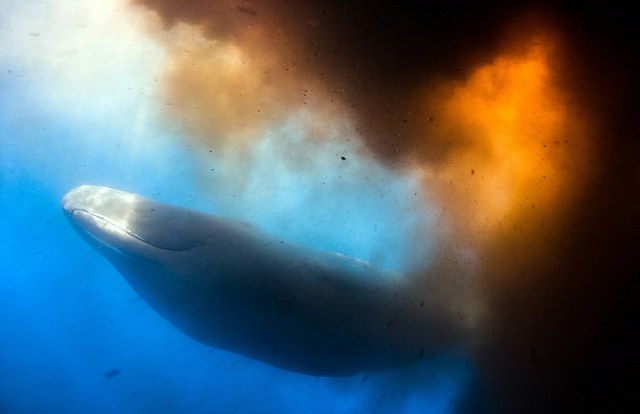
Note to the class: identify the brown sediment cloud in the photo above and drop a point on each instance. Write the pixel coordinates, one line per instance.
(222, 94)
(518, 126)
(257, 60)
(229, 76)
(511, 138)
(505, 149)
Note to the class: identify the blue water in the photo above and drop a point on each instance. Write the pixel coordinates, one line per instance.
(68, 319)
(75, 338)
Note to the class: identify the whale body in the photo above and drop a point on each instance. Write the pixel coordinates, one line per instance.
(233, 287)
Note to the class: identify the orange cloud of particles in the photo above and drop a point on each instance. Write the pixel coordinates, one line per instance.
(516, 148)
(223, 93)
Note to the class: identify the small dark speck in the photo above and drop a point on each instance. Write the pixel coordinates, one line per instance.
(473, 171)
(34, 34)
(391, 343)
(153, 209)
(421, 304)
(364, 378)
(114, 372)
(342, 158)
(421, 353)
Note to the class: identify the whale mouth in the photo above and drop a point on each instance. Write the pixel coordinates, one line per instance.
(97, 225)
(126, 222)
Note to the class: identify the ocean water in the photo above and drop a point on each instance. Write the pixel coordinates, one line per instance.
(488, 152)
(79, 105)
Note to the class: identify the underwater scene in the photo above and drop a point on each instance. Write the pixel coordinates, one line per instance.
(318, 207)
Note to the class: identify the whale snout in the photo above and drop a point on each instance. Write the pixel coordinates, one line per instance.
(99, 200)
(103, 214)
(76, 199)
(123, 220)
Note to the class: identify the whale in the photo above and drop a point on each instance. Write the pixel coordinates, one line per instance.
(231, 286)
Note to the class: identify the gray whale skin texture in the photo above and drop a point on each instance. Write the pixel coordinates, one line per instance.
(232, 287)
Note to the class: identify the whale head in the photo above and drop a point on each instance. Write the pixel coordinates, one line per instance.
(131, 224)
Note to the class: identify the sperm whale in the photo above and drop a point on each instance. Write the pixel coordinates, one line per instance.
(230, 286)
